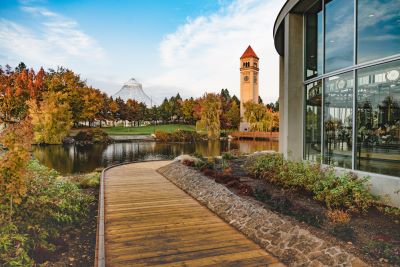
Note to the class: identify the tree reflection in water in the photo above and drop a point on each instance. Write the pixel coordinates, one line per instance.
(69, 159)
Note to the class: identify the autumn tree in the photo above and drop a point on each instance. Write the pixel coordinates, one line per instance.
(93, 102)
(132, 110)
(259, 117)
(16, 87)
(65, 81)
(16, 140)
(233, 115)
(51, 118)
(210, 114)
(188, 110)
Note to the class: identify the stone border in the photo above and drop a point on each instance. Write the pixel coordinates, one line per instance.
(289, 242)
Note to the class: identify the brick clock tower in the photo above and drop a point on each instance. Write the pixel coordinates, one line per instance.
(248, 83)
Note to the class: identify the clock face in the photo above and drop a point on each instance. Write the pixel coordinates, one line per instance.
(246, 78)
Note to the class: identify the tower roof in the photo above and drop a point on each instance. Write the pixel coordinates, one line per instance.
(249, 53)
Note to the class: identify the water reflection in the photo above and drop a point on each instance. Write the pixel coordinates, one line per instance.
(74, 159)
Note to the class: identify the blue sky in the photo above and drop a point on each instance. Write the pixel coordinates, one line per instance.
(186, 46)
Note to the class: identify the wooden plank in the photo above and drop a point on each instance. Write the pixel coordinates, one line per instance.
(151, 222)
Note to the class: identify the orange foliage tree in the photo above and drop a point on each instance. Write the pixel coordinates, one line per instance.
(16, 140)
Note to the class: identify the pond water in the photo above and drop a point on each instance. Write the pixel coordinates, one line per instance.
(70, 159)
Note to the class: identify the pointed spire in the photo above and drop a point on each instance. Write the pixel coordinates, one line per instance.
(249, 53)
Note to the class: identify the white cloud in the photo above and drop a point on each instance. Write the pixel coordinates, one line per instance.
(203, 54)
(58, 41)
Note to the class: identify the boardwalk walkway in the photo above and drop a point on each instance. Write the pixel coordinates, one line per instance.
(151, 222)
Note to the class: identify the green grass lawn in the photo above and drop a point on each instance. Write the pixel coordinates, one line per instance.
(147, 130)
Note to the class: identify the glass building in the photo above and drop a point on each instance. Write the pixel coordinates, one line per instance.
(340, 86)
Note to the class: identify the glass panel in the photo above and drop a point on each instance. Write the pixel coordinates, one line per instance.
(339, 34)
(312, 146)
(378, 119)
(378, 29)
(314, 41)
(338, 112)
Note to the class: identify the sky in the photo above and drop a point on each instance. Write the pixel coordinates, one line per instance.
(170, 46)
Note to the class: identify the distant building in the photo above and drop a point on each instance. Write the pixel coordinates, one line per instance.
(132, 89)
(339, 94)
(248, 82)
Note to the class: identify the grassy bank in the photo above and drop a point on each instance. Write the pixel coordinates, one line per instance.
(147, 130)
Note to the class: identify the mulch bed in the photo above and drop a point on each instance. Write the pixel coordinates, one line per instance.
(374, 237)
(76, 245)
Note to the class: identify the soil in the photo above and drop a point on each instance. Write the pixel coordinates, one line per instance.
(76, 245)
(374, 236)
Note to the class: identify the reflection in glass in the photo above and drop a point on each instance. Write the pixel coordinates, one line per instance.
(312, 146)
(339, 31)
(378, 29)
(314, 40)
(338, 112)
(378, 119)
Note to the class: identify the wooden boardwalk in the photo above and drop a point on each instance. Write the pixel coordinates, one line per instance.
(151, 222)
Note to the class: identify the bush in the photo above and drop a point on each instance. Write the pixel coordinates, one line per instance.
(50, 205)
(228, 156)
(13, 246)
(338, 216)
(92, 136)
(90, 180)
(178, 136)
(337, 192)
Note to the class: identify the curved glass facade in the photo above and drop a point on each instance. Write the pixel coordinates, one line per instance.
(352, 84)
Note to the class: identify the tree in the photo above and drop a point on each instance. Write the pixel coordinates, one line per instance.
(14, 93)
(234, 98)
(132, 110)
(260, 117)
(114, 110)
(188, 109)
(92, 104)
(233, 115)
(68, 83)
(210, 113)
(225, 106)
(13, 163)
(51, 118)
(165, 110)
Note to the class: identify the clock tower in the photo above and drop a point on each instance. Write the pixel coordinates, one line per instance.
(248, 82)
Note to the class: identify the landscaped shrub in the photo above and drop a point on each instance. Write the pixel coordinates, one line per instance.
(338, 216)
(177, 136)
(49, 206)
(91, 136)
(89, 180)
(13, 246)
(228, 156)
(345, 191)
